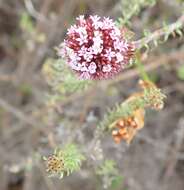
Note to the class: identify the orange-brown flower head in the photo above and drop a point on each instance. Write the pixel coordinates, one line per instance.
(54, 164)
(126, 128)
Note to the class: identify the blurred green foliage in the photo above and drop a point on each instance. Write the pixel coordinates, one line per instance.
(107, 167)
(26, 22)
(27, 25)
(180, 72)
(110, 175)
(133, 7)
(25, 89)
(63, 80)
(72, 158)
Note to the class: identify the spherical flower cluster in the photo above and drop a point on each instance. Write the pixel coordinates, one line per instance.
(95, 48)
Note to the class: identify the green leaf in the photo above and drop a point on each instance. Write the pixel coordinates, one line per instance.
(116, 182)
(180, 72)
(179, 32)
(26, 22)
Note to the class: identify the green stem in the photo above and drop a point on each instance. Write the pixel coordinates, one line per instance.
(141, 68)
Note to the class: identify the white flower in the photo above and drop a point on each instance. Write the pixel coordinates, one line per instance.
(83, 67)
(81, 19)
(72, 30)
(92, 68)
(107, 23)
(115, 34)
(110, 54)
(106, 68)
(121, 45)
(88, 56)
(97, 44)
(117, 31)
(81, 30)
(82, 39)
(119, 57)
(83, 35)
(97, 40)
(97, 33)
(95, 18)
(75, 65)
(117, 44)
(96, 22)
(96, 49)
(82, 51)
(86, 53)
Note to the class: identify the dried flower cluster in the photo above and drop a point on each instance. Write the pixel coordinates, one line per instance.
(54, 164)
(64, 161)
(95, 48)
(127, 127)
(152, 95)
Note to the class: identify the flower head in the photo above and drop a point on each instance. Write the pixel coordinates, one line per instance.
(95, 48)
(54, 164)
(127, 128)
(64, 161)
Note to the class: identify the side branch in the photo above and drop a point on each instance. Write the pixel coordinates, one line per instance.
(165, 31)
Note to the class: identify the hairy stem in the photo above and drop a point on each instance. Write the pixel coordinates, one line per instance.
(179, 24)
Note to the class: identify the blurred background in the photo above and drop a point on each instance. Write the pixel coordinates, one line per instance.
(29, 32)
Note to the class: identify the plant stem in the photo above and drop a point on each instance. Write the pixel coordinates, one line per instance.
(161, 32)
(141, 68)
